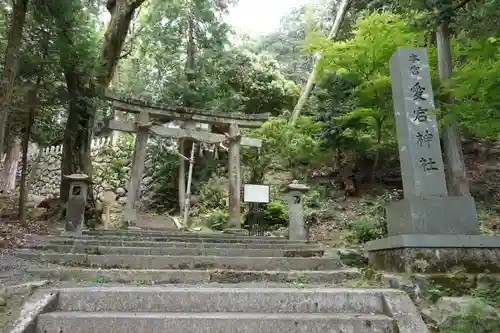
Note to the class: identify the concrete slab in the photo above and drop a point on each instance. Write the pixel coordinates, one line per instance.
(181, 238)
(146, 221)
(170, 232)
(173, 232)
(399, 306)
(176, 244)
(183, 262)
(114, 322)
(193, 262)
(194, 299)
(221, 276)
(57, 258)
(176, 251)
(37, 304)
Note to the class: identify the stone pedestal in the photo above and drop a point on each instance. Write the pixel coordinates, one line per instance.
(77, 202)
(436, 253)
(432, 215)
(296, 226)
(430, 235)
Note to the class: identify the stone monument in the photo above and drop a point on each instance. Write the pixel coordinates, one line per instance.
(77, 201)
(296, 227)
(427, 228)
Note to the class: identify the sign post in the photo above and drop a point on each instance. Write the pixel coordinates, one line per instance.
(256, 196)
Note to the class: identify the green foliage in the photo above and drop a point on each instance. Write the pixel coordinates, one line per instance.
(276, 214)
(475, 86)
(165, 195)
(115, 157)
(472, 320)
(365, 229)
(489, 295)
(284, 144)
(361, 118)
(320, 206)
(285, 45)
(372, 224)
(213, 193)
(376, 37)
(211, 209)
(226, 77)
(215, 219)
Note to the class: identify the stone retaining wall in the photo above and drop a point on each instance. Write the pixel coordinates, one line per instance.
(111, 162)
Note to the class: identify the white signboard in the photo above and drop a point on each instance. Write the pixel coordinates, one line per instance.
(256, 193)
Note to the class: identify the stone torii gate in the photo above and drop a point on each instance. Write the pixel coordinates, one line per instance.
(149, 116)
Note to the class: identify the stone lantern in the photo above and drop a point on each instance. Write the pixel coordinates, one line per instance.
(77, 201)
(296, 227)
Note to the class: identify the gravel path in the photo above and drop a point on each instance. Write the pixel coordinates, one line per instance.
(14, 270)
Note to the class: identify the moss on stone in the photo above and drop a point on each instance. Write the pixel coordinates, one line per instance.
(453, 284)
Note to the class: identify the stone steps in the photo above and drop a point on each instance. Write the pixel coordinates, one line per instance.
(194, 299)
(133, 322)
(180, 251)
(168, 233)
(182, 238)
(181, 262)
(177, 243)
(159, 276)
(237, 269)
(209, 309)
(125, 257)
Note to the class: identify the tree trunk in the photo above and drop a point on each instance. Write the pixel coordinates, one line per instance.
(185, 144)
(122, 12)
(78, 133)
(10, 63)
(458, 184)
(343, 7)
(23, 186)
(10, 165)
(377, 153)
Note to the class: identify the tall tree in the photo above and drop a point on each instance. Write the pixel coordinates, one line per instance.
(190, 74)
(286, 44)
(341, 13)
(87, 75)
(10, 63)
(458, 183)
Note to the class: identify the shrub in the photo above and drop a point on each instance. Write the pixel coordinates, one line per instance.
(213, 193)
(373, 224)
(215, 219)
(364, 229)
(275, 214)
(165, 194)
(476, 318)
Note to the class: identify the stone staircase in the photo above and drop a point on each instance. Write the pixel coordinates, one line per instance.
(205, 283)
(154, 257)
